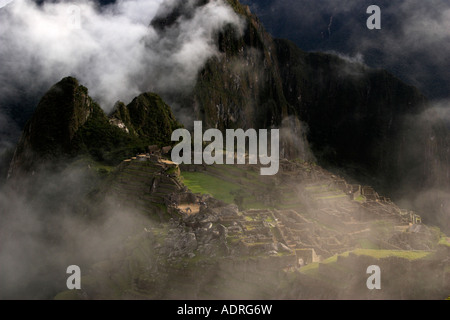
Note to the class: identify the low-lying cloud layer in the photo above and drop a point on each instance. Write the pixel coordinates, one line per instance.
(47, 224)
(117, 54)
(113, 50)
(431, 129)
(413, 44)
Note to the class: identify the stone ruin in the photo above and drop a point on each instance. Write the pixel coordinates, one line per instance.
(369, 193)
(204, 225)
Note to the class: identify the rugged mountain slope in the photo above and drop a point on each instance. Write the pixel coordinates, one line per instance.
(242, 87)
(331, 28)
(68, 123)
(355, 115)
(184, 245)
(61, 112)
(148, 117)
(187, 245)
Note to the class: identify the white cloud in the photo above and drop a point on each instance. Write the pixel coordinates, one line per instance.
(5, 2)
(115, 52)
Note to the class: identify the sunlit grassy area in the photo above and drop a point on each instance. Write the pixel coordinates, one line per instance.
(368, 244)
(336, 196)
(445, 241)
(220, 180)
(312, 268)
(380, 254)
(234, 180)
(233, 172)
(199, 182)
(318, 189)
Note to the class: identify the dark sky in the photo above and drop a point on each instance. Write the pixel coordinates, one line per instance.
(113, 51)
(413, 43)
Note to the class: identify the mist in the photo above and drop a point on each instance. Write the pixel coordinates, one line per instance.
(112, 49)
(293, 139)
(428, 141)
(48, 222)
(413, 44)
(117, 54)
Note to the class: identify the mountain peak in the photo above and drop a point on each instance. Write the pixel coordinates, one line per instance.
(67, 123)
(58, 116)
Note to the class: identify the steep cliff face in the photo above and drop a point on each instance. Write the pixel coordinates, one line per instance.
(68, 123)
(242, 87)
(352, 116)
(148, 117)
(356, 115)
(61, 112)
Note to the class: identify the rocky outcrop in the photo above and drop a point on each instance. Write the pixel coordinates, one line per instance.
(68, 123)
(356, 115)
(148, 117)
(242, 87)
(353, 117)
(50, 133)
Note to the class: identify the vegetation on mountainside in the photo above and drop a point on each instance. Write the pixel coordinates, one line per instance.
(69, 123)
(152, 119)
(445, 241)
(148, 119)
(353, 116)
(104, 142)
